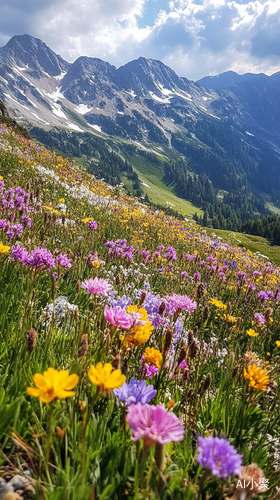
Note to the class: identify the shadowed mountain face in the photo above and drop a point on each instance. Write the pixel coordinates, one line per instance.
(227, 127)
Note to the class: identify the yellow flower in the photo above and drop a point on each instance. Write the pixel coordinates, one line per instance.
(105, 377)
(87, 220)
(61, 200)
(252, 333)
(153, 356)
(257, 377)
(230, 319)
(53, 384)
(217, 303)
(277, 343)
(4, 248)
(141, 330)
(1, 178)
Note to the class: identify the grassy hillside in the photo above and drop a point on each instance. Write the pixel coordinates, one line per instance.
(139, 355)
(255, 244)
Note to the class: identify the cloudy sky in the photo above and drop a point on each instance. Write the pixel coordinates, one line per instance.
(194, 37)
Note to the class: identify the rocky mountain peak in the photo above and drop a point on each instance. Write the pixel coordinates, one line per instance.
(34, 55)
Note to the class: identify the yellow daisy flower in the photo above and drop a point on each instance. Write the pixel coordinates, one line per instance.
(105, 377)
(53, 384)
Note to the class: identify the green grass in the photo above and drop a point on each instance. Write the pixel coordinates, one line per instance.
(158, 192)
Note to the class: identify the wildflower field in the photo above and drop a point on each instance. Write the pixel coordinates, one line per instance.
(139, 357)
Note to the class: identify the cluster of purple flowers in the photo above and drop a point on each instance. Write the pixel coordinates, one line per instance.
(265, 295)
(39, 258)
(119, 248)
(136, 391)
(15, 199)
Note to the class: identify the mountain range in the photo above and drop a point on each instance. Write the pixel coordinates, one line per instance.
(225, 127)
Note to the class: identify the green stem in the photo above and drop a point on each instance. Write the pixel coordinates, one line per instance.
(49, 437)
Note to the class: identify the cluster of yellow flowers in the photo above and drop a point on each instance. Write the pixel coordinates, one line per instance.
(54, 384)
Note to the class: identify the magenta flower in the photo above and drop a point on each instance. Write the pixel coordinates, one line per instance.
(118, 317)
(175, 302)
(92, 224)
(63, 260)
(154, 424)
(97, 286)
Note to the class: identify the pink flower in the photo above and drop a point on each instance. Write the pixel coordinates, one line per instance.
(97, 286)
(175, 302)
(154, 424)
(118, 317)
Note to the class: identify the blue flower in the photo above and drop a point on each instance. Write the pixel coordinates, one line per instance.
(219, 456)
(136, 391)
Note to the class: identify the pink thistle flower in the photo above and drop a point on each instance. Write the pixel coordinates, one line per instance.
(176, 301)
(97, 286)
(154, 424)
(118, 317)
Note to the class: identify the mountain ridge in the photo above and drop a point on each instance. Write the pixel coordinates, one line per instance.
(231, 135)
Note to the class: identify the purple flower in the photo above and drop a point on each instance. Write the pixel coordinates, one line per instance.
(176, 301)
(19, 253)
(190, 257)
(4, 224)
(118, 317)
(219, 456)
(263, 296)
(92, 224)
(97, 286)
(40, 257)
(136, 391)
(63, 261)
(27, 222)
(123, 301)
(154, 424)
(184, 274)
(259, 319)
(17, 229)
(170, 254)
(149, 370)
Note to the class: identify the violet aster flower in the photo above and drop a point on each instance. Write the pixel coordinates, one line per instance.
(154, 424)
(175, 302)
(136, 391)
(97, 286)
(63, 260)
(92, 224)
(219, 456)
(118, 317)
